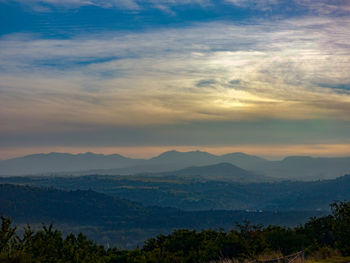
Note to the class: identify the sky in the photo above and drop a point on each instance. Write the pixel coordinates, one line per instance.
(267, 77)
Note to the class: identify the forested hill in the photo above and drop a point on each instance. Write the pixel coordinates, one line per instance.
(25, 203)
(188, 194)
(322, 238)
(32, 204)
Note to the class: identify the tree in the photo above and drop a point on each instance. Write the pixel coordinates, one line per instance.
(7, 235)
(341, 213)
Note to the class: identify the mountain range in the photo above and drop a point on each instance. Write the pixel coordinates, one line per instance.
(294, 167)
(220, 171)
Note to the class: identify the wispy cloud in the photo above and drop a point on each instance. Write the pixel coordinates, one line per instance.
(326, 7)
(323, 7)
(290, 70)
(157, 73)
(135, 5)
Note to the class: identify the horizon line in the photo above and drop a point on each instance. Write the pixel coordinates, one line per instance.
(149, 152)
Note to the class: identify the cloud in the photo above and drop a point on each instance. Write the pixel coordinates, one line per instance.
(36, 4)
(326, 7)
(206, 83)
(134, 5)
(165, 82)
(323, 7)
(257, 4)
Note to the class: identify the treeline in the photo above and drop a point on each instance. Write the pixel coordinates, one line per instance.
(86, 207)
(191, 195)
(247, 242)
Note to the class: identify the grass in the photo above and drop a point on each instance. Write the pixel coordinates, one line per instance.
(334, 259)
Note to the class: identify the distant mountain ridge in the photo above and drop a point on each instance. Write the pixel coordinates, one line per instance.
(293, 167)
(63, 162)
(115, 163)
(220, 171)
(315, 168)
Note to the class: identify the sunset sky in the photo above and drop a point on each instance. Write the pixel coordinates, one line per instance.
(267, 77)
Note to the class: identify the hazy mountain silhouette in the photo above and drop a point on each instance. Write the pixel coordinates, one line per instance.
(197, 157)
(116, 164)
(306, 168)
(63, 162)
(244, 160)
(174, 160)
(220, 171)
(295, 167)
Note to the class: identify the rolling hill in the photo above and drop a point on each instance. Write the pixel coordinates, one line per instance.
(191, 194)
(118, 221)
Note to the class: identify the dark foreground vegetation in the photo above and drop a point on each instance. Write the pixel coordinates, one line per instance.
(326, 233)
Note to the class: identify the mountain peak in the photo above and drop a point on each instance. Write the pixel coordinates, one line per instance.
(175, 153)
(222, 170)
(169, 152)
